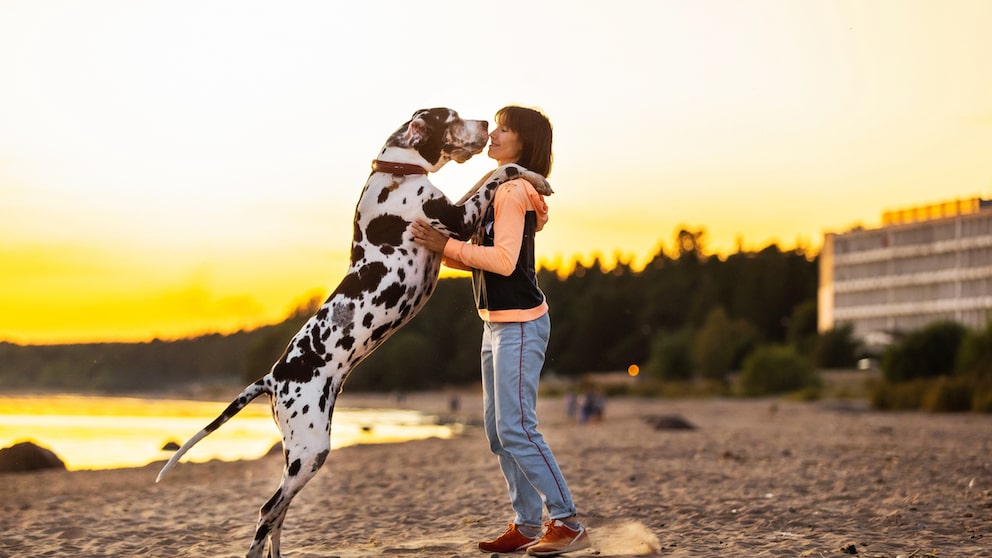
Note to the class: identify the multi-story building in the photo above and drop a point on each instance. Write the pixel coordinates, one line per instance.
(925, 264)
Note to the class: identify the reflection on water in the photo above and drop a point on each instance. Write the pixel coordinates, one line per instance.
(112, 432)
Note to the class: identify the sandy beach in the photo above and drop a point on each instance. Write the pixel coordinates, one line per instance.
(756, 478)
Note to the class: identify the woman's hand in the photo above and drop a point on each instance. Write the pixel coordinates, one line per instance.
(427, 236)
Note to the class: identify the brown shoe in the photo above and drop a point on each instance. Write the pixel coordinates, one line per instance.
(510, 541)
(560, 538)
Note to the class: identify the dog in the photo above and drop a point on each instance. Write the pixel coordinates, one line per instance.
(389, 280)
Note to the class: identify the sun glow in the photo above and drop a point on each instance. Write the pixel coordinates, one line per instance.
(166, 172)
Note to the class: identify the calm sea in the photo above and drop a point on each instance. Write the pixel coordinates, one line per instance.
(114, 432)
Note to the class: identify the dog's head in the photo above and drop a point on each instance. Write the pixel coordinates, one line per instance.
(439, 135)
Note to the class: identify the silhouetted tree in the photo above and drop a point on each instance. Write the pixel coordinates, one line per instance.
(603, 319)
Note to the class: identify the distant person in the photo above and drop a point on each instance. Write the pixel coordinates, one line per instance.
(516, 328)
(593, 406)
(571, 405)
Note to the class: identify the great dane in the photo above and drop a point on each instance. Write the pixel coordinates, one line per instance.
(389, 280)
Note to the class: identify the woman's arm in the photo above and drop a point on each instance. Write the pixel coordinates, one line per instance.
(511, 203)
(434, 240)
(510, 206)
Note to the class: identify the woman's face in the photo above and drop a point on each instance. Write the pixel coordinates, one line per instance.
(504, 145)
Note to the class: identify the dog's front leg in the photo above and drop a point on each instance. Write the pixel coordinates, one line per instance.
(462, 219)
(506, 173)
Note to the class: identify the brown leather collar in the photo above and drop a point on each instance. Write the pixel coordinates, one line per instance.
(401, 169)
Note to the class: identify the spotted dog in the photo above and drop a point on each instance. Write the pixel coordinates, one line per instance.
(389, 280)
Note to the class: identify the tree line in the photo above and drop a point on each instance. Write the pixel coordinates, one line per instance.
(686, 314)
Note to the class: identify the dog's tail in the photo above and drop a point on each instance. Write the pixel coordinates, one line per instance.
(246, 397)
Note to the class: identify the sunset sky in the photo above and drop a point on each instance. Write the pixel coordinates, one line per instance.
(169, 168)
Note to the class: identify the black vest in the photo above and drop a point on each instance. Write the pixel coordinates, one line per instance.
(519, 290)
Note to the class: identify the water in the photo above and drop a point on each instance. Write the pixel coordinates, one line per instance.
(114, 432)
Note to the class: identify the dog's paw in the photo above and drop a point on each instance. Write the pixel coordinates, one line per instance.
(539, 183)
(511, 171)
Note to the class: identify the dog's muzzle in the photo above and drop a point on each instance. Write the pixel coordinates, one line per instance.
(467, 140)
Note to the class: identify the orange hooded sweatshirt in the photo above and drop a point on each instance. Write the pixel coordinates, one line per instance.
(503, 271)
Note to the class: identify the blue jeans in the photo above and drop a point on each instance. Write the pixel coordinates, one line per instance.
(512, 358)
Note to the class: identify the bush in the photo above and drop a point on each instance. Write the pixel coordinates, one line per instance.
(713, 349)
(948, 395)
(670, 358)
(974, 356)
(801, 330)
(774, 369)
(981, 401)
(888, 396)
(927, 353)
(836, 348)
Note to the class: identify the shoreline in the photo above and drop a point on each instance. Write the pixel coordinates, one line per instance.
(757, 478)
(110, 432)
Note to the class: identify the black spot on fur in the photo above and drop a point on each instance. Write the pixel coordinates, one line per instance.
(389, 296)
(318, 344)
(322, 404)
(294, 469)
(321, 457)
(366, 279)
(297, 369)
(271, 501)
(229, 412)
(381, 331)
(387, 230)
(357, 253)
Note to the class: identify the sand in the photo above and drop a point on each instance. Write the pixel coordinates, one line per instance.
(757, 478)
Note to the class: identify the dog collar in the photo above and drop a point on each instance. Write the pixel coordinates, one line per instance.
(397, 168)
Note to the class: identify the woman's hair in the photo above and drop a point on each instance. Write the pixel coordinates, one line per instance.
(534, 130)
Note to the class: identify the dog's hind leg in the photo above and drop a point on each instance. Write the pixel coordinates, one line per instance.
(306, 444)
(296, 475)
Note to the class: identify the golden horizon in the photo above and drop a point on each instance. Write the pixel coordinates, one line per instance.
(173, 312)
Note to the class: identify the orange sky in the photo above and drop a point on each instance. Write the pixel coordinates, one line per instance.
(172, 168)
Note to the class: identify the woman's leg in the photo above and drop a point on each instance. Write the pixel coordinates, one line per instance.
(518, 351)
(524, 498)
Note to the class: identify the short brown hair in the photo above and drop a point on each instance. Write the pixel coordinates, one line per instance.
(534, 130)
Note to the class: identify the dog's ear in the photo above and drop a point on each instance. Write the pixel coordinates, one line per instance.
(422, 132)
(416, 132)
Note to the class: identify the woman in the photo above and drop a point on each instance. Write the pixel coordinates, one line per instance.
(516, 327)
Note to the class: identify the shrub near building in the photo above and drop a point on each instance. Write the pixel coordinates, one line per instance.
(974, 364)
(940, 368)
(776, 369)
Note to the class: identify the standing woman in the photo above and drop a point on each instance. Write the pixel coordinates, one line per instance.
(516, 328)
